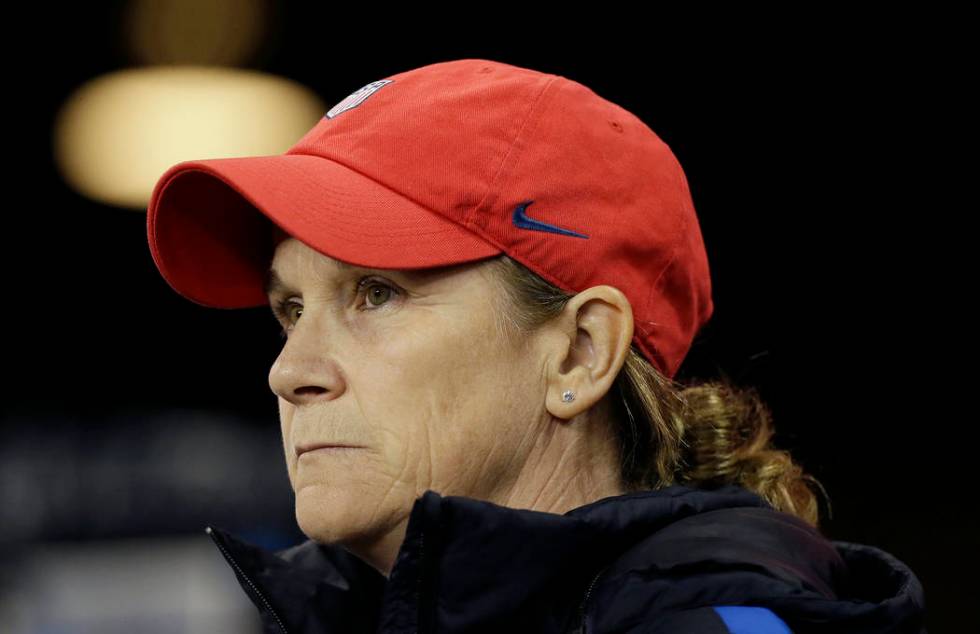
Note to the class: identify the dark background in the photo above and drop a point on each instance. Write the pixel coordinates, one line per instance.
(811, 148)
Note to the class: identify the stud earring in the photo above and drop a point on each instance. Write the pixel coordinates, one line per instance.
(568, 396)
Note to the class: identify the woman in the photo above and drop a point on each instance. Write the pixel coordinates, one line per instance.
(487, 277)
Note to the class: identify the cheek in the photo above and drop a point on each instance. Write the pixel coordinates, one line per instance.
(449, 404)
(286, 418)
(286, 425)
(398, 388)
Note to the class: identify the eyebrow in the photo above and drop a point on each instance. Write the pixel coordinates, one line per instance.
(272, 283)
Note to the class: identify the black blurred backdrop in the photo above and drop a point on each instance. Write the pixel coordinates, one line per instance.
(809, 148)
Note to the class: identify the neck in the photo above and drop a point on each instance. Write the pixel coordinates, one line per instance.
(572, 463)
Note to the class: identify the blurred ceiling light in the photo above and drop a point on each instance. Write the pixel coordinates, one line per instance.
(117, 134)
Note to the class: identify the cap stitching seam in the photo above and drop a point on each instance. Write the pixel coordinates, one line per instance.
(644, 332)
(532, 115)
(370, 178)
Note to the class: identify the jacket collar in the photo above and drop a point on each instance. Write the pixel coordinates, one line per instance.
(756, 556)
(465, 563)
(470, 565)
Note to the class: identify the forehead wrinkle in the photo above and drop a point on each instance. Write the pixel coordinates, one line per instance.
(273, 281)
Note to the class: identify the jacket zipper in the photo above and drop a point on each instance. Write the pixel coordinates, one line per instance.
(581, 627)
(418, 586)
(234, 563)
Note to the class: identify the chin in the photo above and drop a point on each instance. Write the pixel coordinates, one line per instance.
(331, 516)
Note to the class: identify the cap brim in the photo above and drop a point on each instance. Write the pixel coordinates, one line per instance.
(208, 224)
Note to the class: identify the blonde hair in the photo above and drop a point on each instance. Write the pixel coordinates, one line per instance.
(706, 434)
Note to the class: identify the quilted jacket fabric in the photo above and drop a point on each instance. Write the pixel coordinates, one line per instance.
(675, 560)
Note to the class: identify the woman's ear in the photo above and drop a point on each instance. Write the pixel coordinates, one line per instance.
(599, 328)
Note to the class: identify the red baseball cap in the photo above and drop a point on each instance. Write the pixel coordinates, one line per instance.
(448, 163)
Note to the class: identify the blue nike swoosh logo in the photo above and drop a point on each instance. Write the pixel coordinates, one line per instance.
(522, 221)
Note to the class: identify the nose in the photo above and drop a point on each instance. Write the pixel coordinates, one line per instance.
(304, 373)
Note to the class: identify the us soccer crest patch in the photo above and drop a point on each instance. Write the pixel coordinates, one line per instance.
(356, 98)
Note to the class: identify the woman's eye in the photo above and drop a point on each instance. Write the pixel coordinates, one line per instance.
(374, 297)
(282, 310)
(378, 293)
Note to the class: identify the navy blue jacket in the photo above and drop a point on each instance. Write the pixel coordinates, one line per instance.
(673, 560)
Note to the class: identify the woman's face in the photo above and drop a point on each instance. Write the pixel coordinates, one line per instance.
(410, 367)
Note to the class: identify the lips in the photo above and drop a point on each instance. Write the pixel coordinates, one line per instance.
(301, 449)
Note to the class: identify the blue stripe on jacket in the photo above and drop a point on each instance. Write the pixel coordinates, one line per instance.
(747, 619)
